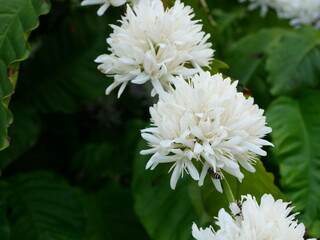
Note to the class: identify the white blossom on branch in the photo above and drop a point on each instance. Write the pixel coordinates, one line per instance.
(205, 120)
(155, 44)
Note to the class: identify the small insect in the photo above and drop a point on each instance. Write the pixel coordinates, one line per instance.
(214, 174)
(239, 203)
(246, 91)
(239, 214)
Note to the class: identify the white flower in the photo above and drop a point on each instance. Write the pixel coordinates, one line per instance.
(208, 121)
(105, 4)
(300, 12)
(154, 44)
(268, 221)
(263, 4)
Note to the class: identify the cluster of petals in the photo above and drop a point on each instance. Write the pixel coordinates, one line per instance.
(206, 120)
(300, 12)
(105, 4)
(155, 44)
(271, 220)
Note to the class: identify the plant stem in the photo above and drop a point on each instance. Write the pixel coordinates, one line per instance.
(227, 191)
(207, 10)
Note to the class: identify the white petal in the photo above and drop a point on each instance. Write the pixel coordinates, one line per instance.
(141, 78)
(203, 174)
(175, 175)
(149, 164)
(217, 184)
(192, 170)
(121, 89)
(91, 2)
(103, 8)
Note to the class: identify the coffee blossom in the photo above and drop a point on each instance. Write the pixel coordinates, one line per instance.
(263, 4)
(205, 120)
(299, 12)
(250, 221)
(155, 44)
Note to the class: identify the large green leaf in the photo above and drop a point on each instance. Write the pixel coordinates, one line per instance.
(17, 19)
(165, 213)
(256, 184)
(43, 207)
(62, 74)
(296, 135)
(246, 56)
(110, 215)
(294, 63)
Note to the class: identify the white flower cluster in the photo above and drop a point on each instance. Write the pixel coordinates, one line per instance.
(251, 221)
(202, 119)
(155, 44)
(205, 119)
(300, 12)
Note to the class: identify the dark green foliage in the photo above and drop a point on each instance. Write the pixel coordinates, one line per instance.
(4, 227)
(43, 207)
(294, 63)
(249, 53)
(18, 18)
(68, 77)
(296, 137)
(110, 214)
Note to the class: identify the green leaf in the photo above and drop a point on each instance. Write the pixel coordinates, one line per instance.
(110, 215)
(226, 19)
(294, 63)
(4, 224)
(256, 184)
(263, 183)
(228, 24)
(43, 208)
(216, 65)
(165, 213)
(62, 75)
(247, 55)
(296, 135)
(17, 19)
(26, 122)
